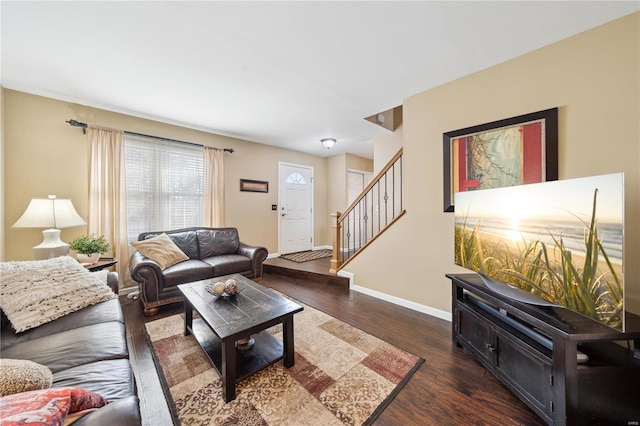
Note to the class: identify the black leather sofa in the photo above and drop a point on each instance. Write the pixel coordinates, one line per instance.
(212, 252)
(87, 349)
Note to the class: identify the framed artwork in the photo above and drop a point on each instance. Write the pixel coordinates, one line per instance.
(509, 152)
(254, 185)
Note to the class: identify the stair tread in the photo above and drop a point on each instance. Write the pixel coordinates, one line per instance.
(315, 270)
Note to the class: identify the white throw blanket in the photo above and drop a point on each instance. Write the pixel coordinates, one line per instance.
(33, 293)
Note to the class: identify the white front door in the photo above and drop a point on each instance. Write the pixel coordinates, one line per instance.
(295, 208)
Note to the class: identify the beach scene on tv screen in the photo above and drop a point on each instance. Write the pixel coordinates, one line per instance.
(561, 241)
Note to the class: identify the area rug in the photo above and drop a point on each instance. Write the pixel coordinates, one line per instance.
(341, 375)
(305, 256)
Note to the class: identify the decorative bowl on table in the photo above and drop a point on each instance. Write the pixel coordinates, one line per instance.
(227, 288)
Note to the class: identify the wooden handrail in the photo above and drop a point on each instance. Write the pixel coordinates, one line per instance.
(373, 182)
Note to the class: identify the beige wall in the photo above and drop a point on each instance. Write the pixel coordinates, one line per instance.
(44, 155)
(337, 181)
(337, 168)
(353, 162)
(594, 80)
(251, 212)
(385, 147)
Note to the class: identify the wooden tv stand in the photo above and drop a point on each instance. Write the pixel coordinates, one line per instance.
(533, 350)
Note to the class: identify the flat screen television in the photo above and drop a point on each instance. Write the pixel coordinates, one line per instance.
(558, 242)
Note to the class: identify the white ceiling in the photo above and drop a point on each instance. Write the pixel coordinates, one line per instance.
(279, 73)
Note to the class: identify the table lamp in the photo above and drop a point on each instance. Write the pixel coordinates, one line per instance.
(52, 213)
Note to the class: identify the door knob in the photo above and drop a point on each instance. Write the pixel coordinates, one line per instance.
(284, 214)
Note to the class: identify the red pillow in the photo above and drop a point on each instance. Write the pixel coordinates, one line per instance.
(46, 407)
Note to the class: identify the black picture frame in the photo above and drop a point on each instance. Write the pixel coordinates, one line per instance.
(248, 185)
(549, 146)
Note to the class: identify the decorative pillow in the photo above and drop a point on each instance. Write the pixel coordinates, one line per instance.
(33, 293)
(102, 275)
(162, 250)
(47, 407)
(19, 375)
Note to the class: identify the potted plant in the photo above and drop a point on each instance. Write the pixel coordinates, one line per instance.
(88, 248)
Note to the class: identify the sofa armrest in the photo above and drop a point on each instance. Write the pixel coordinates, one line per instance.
(257, 256)
(113, 281)
(140, 266)
(123, 412)
(148, 275)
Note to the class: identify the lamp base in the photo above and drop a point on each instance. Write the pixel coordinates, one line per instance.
(51, 246)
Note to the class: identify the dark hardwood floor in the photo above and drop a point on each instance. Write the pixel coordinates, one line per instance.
(449, 388)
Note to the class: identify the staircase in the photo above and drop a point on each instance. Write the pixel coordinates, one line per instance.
(377, 208)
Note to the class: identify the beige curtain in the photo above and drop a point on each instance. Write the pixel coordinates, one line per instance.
(107, 194)
(213, 201)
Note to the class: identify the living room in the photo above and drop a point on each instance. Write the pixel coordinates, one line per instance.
(592, 78)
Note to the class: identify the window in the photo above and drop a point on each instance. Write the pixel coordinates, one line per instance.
(165, 185)
(296, 179)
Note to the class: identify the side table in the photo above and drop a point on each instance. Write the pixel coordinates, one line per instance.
(102, 263)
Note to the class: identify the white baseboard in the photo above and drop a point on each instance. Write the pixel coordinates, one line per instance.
(383, 296)
(395, 300)
(347, 275)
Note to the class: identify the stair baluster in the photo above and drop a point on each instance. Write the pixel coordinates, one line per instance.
(373, 211)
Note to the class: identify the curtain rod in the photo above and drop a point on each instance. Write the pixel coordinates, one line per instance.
(74, 123)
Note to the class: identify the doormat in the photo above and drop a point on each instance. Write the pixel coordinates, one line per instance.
(305, 256)
(341, 375)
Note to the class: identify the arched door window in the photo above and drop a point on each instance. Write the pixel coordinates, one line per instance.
(296, 179)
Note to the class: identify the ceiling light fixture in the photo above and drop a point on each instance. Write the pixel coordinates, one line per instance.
(328, 142)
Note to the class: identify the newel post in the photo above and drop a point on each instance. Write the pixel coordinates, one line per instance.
(335, 258)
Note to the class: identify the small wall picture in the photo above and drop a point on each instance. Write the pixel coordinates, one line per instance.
(249, 185)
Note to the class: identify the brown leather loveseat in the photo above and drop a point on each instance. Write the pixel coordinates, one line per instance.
(84, 349)
(210, 252)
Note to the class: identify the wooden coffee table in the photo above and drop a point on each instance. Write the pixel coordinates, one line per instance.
(224, 321)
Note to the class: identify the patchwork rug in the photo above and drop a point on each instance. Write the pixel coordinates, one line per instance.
(305, 256)
(341, 375)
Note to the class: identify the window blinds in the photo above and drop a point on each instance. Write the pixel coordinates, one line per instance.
(164, 183)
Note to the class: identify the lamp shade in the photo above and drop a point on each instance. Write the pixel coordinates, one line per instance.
(50, 212)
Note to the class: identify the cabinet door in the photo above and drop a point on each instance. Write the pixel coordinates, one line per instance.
(475, 333)
(526, 372)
